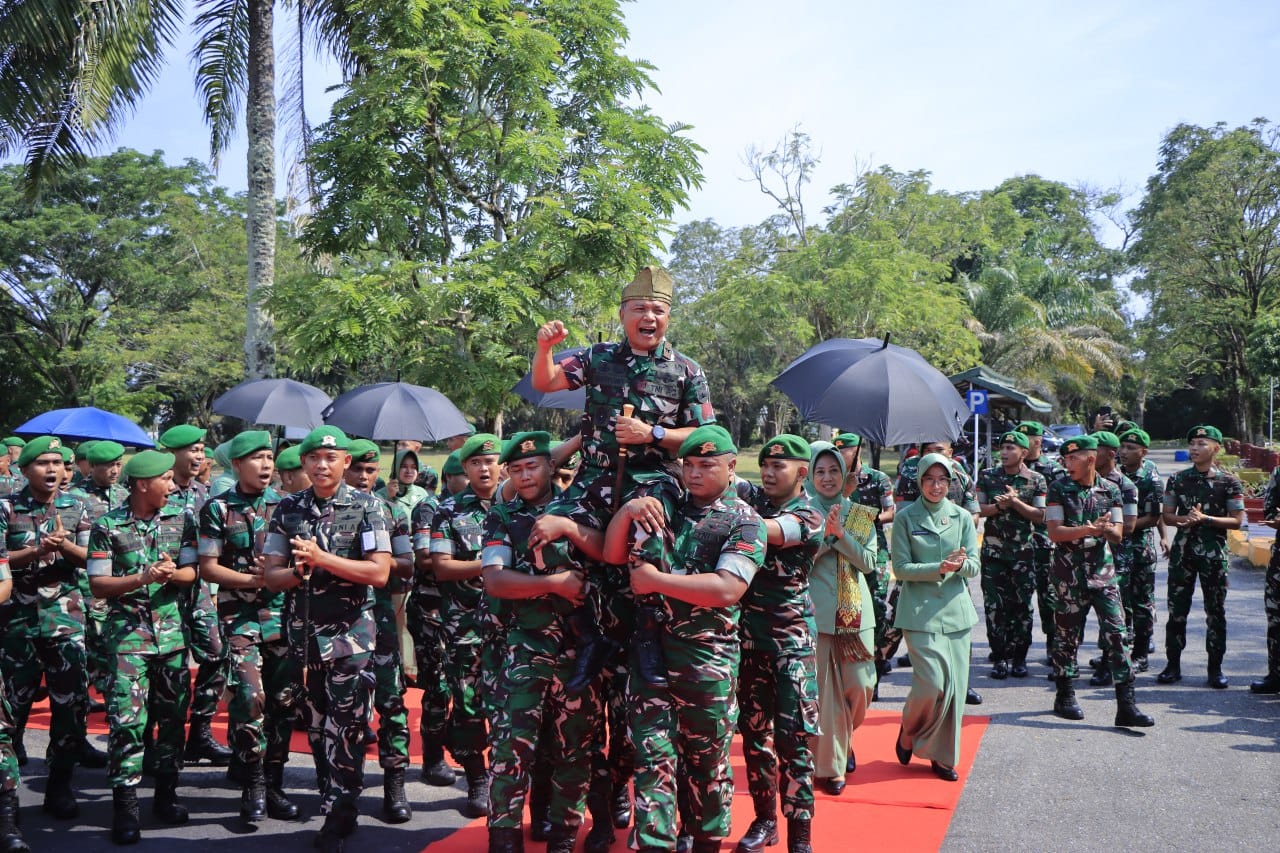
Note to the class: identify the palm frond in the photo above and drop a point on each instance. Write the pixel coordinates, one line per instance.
(221, 57)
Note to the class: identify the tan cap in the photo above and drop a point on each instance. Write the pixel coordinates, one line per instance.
(650, 283)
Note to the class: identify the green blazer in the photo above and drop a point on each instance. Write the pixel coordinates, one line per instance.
(931, 601)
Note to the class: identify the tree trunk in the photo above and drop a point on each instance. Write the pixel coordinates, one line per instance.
(260, 124)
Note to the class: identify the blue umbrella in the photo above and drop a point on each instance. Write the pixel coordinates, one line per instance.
(275, 402)
(886, 393)
(86, 423)
(553, 399)
(391, 411)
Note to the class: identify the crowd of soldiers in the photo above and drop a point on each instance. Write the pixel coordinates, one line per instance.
(576, 632)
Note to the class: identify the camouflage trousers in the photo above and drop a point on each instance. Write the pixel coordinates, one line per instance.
(1271, 603)
(337, 708)
(1138, 595)
(143, 685)
(61, 660)
(1184, 569)
(388, 699)
(493, 652)
(262, 707)
(466, 717)
(1042, 558)
(1007, 588)
(687, 725)
(878, 584)
(1073, 595)
(778, 717)
(97, 652)
(537, 707)
(889, 638)
(429, 650)
(613, 757)
(9, 776)
(209, 652)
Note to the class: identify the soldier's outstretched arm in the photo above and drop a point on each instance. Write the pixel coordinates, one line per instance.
(505, 583)
(706, 589)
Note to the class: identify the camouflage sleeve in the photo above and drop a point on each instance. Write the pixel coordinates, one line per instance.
(187, 550)
(1040, 491)
(649, 549)
(1129, 497)
(742, 554)
(1053, 503)
(575, 369)
(970, 503)
(1170, 501)
(886, 490)
(695, 406)
(277, 542)
(4, 538)
(1119, 505)
(442, 533)
(401, 541)
(801, 526)
(497, 541)
(375, 531)
(423, 513)
(1270, 499)
(984, 490)
(83, 525)
(212, 528)
(1156, 499)
(98, 563)
(1235, 494)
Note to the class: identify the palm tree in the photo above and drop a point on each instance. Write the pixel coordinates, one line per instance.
(71, 72)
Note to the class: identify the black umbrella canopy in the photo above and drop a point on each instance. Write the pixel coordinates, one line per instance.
(576, 399)
(388, 411)
(886, 393)
(275, 402)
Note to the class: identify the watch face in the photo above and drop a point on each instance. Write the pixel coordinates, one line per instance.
(659, 433)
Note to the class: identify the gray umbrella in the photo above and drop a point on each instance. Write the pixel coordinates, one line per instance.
(389, 411)
(274, 402)
(885, 393)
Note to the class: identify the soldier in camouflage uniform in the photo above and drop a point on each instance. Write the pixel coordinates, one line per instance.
(1270, 683)
(1042, 548)
(233, 529)
(1083, 515)
(1203, 502)
(457, 539)
(778, 680)
(388, 689)
(292, 478)
(534, 570)
(1137, 555)
(142, 559)
(1011, 498)
(186, 443)
(11, 840)
(719, 544)
(8, 481)
(330, 545)
(13, 448)
(45, 532)
(426, 626)
(1108, 469)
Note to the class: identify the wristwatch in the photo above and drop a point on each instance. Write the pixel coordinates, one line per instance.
(658, 434)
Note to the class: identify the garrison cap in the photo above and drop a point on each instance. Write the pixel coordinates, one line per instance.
(847, 439)
(14, 441)
(1078, 442)
(1106, 438)
(249, 441)
(452, 465)
(1030, 428)
(785, 446)
(650, 283)
(522, 445)
(183, 435)
(1136, 436)
(1015, 437)
(364, 450)
(1205, 431)
(480, 444)
(324, 438)
(289, 459)
(147, 464)
(82, 449)
(709, 440)
(37, 447)
(104, 452)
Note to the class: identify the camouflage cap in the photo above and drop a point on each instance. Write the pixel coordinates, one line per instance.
(710, 440)
(847, 439)
(324, 438)
(1106, 438)
(1077, 443)
(1205, 431)
(249, 441)
(37, 447)
(104, 452)
(650, 283)
(1136, 436)
(1015, 437)
(147, 464)
(523, 445)
(364, 450)
(183, 435)
(452, 466)
(82, 449)
(785, 446)
(480, 444)
(289, 459)
(1030, 428)
(14, 441)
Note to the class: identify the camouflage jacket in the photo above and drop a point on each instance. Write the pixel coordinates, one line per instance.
(667, 389)
(192, 497)
(1050, 470)
(960, 493)
(1007, 535)
(384, 606)
(1141, 544)
(701, 643)
(1217, 493)
(147, 620)
(875, 489)
(47, 599)
(352, 525)
(9, 485)
(424, 595)
(457, 531)
(1074, 505)
(101, 499)
(777, 613)
(233, 528)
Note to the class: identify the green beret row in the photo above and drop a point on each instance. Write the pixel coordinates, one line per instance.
(183, 435)
(523, 445)
(785, 446)
(1015, 437)
(148, 464)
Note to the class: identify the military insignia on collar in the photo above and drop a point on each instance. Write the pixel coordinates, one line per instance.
(328, 441)
(54, 444)
(707, 447)
(488, 445)
(528, 446)
(776, 450)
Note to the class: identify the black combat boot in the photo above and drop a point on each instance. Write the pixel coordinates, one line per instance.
(540, 806)
(11, 840)
(477, 804)
(395, 804)
(89, 756)
(253, 796)
(601, 836)
(1018, 669)
(165, 805)
(562, 839)
(435, 770)
(1139, 652)
(1172, 673)
(1266, 686)
(1102, 676)
(1216, 679)
(126, 826)
(1065, 704)
(506, 840)
(20, 748)
(621, 807)
(279, 806)
(646, 646)
(592, 649)
(1127, 713)
(798, 836)
(1000, 671)
(59, 799)
(338, 824)
(201, 745)
(762, 833)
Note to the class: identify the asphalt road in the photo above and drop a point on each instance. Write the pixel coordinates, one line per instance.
(1206, 777)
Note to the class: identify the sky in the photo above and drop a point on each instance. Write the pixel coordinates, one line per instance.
(973, 92)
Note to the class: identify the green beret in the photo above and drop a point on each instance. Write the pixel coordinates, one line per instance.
(104, 452)
(1015, 437)
(1078, 442)
(325, 437)
(525, 444)
(289, 459)
(710, 440)
(650, 283)
(482, 443)
(82, 449)
(220, 455)
(1106, 438)
(364, 450)
(249, 441)
(147, 464)
(847, 439)
(785, 446)
(208, 452)
(452, 465)
(183, 435)
(1205, 432)
(14, 441)
(68, 455)
(1124, 426)
(37, 447)
(1136, 436)
(1030, 428)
